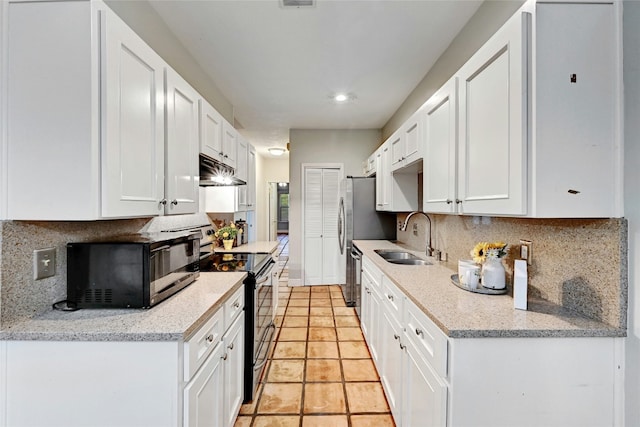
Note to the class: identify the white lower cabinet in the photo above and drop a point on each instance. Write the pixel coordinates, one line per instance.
(203, 395)
(431, 380)
(198, 382)
(424, 401)
(233, 371)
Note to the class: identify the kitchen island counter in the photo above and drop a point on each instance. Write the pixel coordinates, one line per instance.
(174, 319)
(463, 314)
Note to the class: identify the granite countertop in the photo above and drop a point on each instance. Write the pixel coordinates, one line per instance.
(174, 319)
(463, 314)
(259, 247)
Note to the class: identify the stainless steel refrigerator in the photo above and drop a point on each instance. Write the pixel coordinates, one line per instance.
(359, 220)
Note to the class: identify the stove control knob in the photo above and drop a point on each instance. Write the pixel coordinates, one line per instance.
(210, 232)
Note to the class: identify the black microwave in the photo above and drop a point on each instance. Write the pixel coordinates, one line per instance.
(133, 271)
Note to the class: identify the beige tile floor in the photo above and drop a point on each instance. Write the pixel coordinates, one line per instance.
(320, 373)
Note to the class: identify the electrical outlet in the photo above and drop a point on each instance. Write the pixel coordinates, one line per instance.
(44, 263)
(526, 251)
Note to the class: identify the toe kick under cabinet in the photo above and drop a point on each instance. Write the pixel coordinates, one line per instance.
(431, 379)
(196, 382)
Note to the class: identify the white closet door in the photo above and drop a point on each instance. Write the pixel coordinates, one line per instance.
(330, 245)
(313, 212)
(321, 200)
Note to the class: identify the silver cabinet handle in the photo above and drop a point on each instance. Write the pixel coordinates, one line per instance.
(174, 202)
(390, 297)
(402, 347)
(458, 201)
(419, 332)
(163, 202)
(210, 338)
(225, 356)
(449, 201)
(396, 336)
(236, 304)
(230, 347)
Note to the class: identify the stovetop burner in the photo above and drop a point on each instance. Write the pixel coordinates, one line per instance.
(232, 262)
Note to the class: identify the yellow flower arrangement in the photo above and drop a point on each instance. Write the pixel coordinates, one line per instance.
(482, 249)
(228, 232)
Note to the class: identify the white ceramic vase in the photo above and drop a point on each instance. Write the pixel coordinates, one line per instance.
(493, 274)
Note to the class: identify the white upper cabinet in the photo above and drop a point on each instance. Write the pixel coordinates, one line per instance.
(210, 131)
(493, 124)
(440, 161)
(407, 146)
(182, 171)
(133, 131)
(251, 178)
(85, 130)
(229, 144)
(539, 113)
(576, 141)
(395, 191)
(241, 158)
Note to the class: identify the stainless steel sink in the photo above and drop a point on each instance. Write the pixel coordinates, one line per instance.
(391, 254)
(400, 257)
(416, 261)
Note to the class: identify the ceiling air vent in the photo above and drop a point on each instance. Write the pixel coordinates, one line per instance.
(297, 3)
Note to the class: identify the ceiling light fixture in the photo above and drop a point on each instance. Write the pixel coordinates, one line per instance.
(277, 151)
(342, 98)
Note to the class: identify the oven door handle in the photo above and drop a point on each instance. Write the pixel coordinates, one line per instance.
(261, 363)
(264, 276)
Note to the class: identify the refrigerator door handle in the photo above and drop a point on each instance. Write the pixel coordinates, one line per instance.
(341, 225)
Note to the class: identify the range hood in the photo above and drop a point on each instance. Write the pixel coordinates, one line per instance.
(216, 173)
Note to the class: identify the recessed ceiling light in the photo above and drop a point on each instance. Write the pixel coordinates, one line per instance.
(277, 151)
(342, 98)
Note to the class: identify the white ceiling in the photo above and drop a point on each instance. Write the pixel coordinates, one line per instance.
(279, 66)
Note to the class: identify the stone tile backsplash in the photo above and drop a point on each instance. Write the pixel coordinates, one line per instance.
(20, 295)
(580, 264)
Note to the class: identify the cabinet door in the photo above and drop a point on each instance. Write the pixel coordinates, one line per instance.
(210, 131)
(413, 138)
(132, 122)
(397, 151)
(365, 307)
(439, 172)
(424, 395)
(229, 144)
(182, 173)
(390, 362)
(203, 395)
(233, 370)
(251, 178)
(375, 314)
(493, 123)
(385, 176)
(241, 159)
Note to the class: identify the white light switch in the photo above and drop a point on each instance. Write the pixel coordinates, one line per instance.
(44, 263)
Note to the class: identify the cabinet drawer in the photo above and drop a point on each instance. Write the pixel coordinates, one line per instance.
(202, 344)
(233, 307)
(429, 340)
(392, 299)
(374, 273)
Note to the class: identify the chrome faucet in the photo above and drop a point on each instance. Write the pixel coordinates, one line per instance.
(429, 249)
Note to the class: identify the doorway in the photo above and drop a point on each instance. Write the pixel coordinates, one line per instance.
(278, 209)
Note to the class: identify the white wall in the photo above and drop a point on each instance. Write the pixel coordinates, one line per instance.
(482, 25)
(144, 20)
(631, 40)
(349, 147)
(271, 170)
